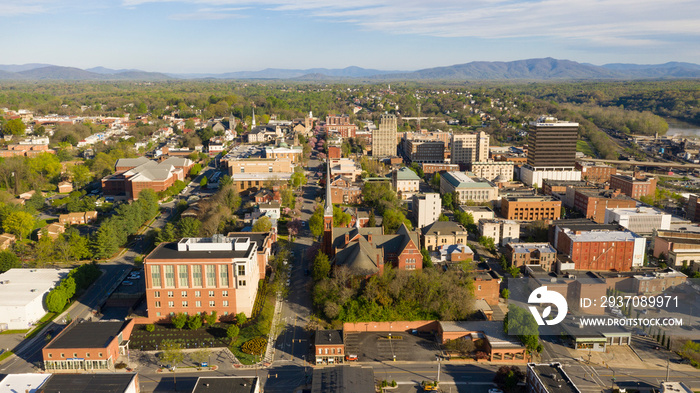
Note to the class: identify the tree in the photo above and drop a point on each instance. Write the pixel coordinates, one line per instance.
(447, 200)
(81, 175)
(443, 218)
(505, 293)
(18, 223)
(150, 328)
(508, 377)
(8, 260)
(210, 318)
(393, 219)
(196, 168)
(340, 218)
(199, 356)
(203, 182)
(372, 220)
(464, 346)
(520, 322)
(435, 182)
(263, 224)
(56, 300)
(172, 354)
(241, 319)
(189, 227)
(297, 180)
(167, 234)
(232, 331)
(36, 202)
(14, 127)
(194, 322)
(105, 242)
(321, 266)
(316, 222)
(487, 242)
(179, 320)
(293, 227)
(427, 261)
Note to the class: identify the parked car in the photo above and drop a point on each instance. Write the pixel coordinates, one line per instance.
(127, 283)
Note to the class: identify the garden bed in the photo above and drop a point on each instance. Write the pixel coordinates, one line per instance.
(208, 336)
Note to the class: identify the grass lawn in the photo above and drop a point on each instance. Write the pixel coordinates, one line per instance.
(585, 148)
(5, 355)
(16, 331)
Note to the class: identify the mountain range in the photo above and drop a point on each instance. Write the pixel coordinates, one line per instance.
(531, 69)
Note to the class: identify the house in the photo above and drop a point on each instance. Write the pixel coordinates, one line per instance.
(78, 218)
(88, 346)
(52, 230)
(442, 233)
(329, 347)
(7, 240)
(344, 191)
(27, 195)
(272, 210)
(65, 187)
(267, 196)
(265, 241)
(455, 253)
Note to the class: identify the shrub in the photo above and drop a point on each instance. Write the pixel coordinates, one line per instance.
(194, 323)
(150, 327)
(241, 319)
(254, 346)
(120, 366)
(232, 331)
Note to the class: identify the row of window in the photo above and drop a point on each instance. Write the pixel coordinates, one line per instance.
(76, 364)
(75, 355)
(183, 294)
(197, 303)
(183, 275)
(324, 351)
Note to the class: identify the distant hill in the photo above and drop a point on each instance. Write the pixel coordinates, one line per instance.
(530, 69)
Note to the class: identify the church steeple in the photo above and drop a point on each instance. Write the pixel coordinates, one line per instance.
(328, 216)
(253, 122)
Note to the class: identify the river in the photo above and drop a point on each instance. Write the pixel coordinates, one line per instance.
(678, 127)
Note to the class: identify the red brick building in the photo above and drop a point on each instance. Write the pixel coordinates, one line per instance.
(340, 124)
(439, 167)
(593, 202)
(634, 186)
(134, 175)
(334, 153)
(88, 346)
(487, 285)
(595, 173)
(343, 191)
(602, 250)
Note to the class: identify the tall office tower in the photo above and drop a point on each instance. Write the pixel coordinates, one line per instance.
(384, 139)
(468, 148)
(551, 152)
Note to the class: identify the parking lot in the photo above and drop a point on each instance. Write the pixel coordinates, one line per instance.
(401, 346)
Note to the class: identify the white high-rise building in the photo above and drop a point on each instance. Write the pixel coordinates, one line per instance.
(426, 208)
(384, 139)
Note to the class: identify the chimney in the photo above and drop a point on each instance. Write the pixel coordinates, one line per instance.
(636, 174)
(369, 237)
(347, 238)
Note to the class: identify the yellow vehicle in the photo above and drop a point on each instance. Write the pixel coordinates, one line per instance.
(429, 386)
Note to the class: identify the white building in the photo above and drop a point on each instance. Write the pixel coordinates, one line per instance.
(405, 182)
(501, 231)
(426, 208)
(478, 212)
(18, 383)
(641, 220)
(490, 170)
(467, 188)
(533, 177)
(22, 293)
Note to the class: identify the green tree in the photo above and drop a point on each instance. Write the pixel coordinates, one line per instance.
(189, 227)
(210, 318)
(196, 168)
(167, 234)
(505, 293)
(148, 201)
(241, 319)
(172, 354)
(194, 322)
(8, 260)
(340, 218)
(427, 261)
(520, 322)
(200, 356)
(232, 331)
(447, 200)
(18, 223)
(81, 175)
(263, 224)
(321, 266)
(372, 220)
(393, 219)
(316, 223)
(179, 320)
(105, 242)
(14, 127)
(150, 328)
(203, 183)
(68, 286)
(56, 300)
(225, 181)
(36, 202)
(443, 218)
(297, 180)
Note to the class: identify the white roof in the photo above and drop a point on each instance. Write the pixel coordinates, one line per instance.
(642, 210)
(14, 383)
(20, 286)
(602, 236)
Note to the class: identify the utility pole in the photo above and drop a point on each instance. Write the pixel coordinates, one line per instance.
(438, 375)
(668, 369)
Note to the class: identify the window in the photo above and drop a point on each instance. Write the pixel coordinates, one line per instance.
(223, 275)
(50, 355)
(198, 303)
(183, 276)
(171, 304)
(156, 294)
(479, 287)
(211, 275)
(184, 303)
(99, 354)
(224, 293)
(155, 276)
(62, 355)
(158, 314)
(183, 293)
(170, 294)
(241, 283)
(225, 303)
(241, 270)
(87, 355)
(212, 303)
(211, 293)
(157, 304)
(197, 294)
(75, 355)
(196, 275)
(169, 275)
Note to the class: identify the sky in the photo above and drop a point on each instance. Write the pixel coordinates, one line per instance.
(216, 36)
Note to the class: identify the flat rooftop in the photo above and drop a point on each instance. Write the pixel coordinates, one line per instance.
(88, 383)
(21, 286)
(19, 383)
(519, 248)
(343, 379)
(492, 330)
(645, 211)
(328, 337)
(603, 236)
(169, 251)
(87, 335)
(225, 385)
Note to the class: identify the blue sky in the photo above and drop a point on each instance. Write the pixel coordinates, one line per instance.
(242, 35)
